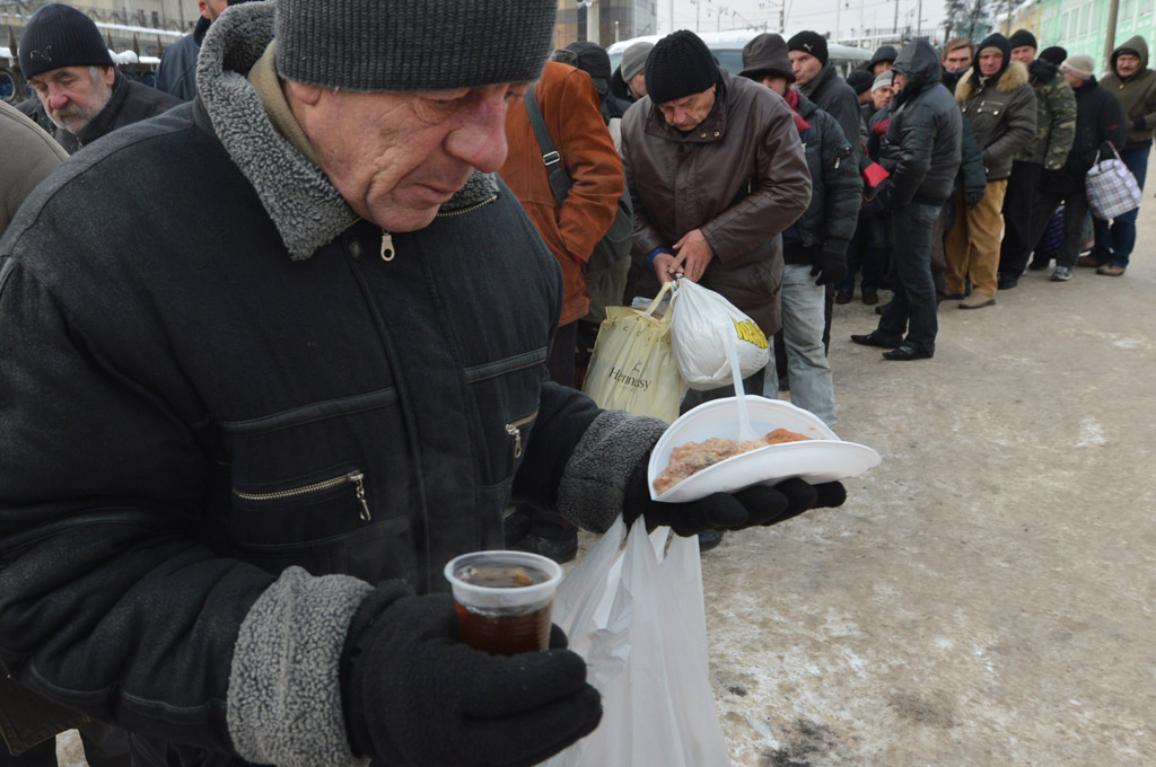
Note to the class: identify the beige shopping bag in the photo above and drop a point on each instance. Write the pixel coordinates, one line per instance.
(633, 366)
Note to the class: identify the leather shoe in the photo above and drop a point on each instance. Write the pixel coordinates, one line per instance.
(881, 340)
(843, 297)
(1007, 283)
(881, 308)
(870, 296)
(905, 353)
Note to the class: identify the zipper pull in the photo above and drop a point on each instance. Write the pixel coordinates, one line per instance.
(516, 434)
(387, 251)
(358, 479)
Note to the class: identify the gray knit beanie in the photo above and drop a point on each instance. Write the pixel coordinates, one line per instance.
(406, 45)
(634, 60)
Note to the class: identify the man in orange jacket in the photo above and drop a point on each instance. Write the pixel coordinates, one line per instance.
(568, 102)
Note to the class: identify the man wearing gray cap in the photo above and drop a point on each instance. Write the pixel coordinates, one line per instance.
(628, 83)
(240, 446)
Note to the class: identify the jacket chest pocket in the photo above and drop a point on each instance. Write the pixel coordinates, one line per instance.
(507, 392)
(330, 493)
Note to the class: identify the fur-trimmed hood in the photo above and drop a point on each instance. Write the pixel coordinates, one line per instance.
(301, 201)
(1014, 76)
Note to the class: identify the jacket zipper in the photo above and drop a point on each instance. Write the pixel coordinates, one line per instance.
(387, 251)
(470, 209)
(514, 429)
(356, 478)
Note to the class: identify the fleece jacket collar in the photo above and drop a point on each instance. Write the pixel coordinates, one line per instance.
(301, 201)
(1013, 77)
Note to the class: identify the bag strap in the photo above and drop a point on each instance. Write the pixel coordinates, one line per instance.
(666, 288)
(551, 157)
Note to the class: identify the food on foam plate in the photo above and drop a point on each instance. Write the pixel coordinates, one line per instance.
(692, 457)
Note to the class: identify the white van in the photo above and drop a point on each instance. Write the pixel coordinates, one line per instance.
(727, 47)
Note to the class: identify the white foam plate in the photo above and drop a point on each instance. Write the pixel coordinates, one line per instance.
(823, 458)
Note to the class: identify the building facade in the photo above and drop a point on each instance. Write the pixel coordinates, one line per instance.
(604, 21)
(1081, 26)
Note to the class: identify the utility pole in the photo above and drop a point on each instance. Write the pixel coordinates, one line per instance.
(919, 19)
(782, 17)
(1110, 41)
(895, 24)
(838, 11)
(1009, 18)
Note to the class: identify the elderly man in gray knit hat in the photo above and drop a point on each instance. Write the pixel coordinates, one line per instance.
(247, 421)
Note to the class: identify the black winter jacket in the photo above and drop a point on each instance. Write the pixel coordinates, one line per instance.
(232, 375)
(835, 97)
(177, 74)
(1099, 119)
(130, 103)
(922, 146)
(836, 190)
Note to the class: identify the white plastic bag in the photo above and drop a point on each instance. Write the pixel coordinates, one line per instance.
(702, 320)
(637, 618)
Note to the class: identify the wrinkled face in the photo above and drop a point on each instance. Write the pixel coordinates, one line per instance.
(898, 84)
(1127, 64)
(805, 66)
(881, 97)
(637, 85)
(776, 83)
(685, 114)
(957, 60)
(1025, 54)
(1074, 81)
(211, 9)
(72, 96)
(881, 67)
(990, 63)
(396, 158)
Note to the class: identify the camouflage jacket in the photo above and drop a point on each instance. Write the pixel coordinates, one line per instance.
(1055, 118)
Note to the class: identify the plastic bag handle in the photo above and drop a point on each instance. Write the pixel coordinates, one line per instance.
(666, 288)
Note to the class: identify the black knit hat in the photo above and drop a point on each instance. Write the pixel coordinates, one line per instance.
(1023, 37)
(766, 54)
(994, 40)
(680, 65)
(58, 36)
(1054, 55)
(810, 42)
(392, 45)
(882, 53)
(860, 81)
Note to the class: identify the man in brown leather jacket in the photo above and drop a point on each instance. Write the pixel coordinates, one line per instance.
(717, 172)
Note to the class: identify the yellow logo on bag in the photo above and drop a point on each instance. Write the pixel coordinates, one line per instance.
(748, 331)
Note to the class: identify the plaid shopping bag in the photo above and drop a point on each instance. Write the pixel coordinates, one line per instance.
(1112, 189)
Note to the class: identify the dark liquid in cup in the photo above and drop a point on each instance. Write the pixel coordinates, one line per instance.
(504, 631)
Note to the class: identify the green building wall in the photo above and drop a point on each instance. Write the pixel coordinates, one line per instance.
(1081, 26)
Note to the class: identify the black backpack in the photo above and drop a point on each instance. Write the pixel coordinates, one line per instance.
(606, 270)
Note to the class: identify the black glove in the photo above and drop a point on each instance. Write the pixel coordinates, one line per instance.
(416, 696)
(831, 262)
(1139, 123)
(757, 505)
(974, 196)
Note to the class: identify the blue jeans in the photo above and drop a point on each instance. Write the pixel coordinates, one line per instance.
(812, 386)
(1115, 241)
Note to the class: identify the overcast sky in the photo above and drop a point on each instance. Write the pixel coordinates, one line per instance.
(847, 17)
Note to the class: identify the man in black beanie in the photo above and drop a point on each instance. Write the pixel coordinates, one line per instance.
(276, 358)
(64, 59)
(819, 81)
(717, 172)
(1036, 166)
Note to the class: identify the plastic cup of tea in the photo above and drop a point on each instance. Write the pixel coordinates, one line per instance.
(503, 599)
